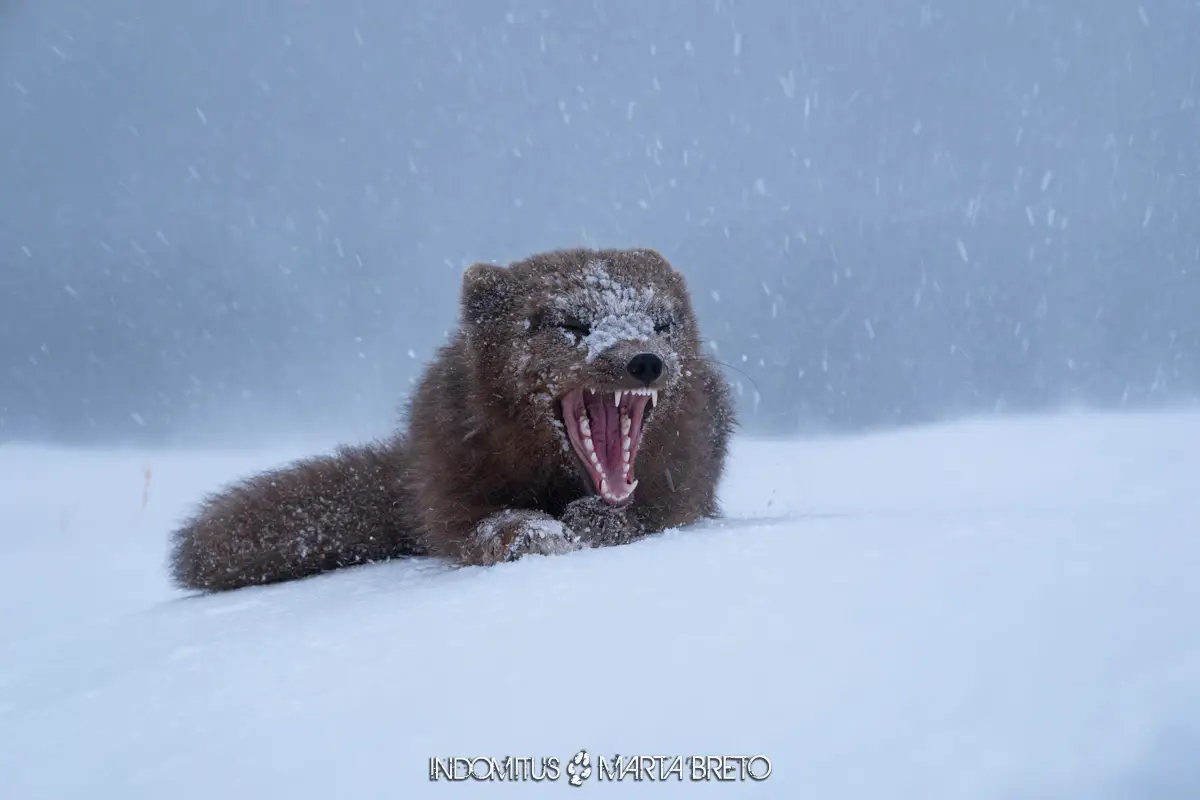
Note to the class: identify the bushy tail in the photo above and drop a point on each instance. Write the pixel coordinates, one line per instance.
(312, 516)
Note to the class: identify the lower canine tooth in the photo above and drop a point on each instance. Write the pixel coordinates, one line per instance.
(632, 486)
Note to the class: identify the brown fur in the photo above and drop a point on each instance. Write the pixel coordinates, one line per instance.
(483, 473)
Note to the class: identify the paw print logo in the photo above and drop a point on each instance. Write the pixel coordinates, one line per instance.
(579, 768)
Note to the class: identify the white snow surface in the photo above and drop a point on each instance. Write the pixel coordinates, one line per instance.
(990, 608)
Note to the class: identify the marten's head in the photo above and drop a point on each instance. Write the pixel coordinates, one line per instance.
(589, 348)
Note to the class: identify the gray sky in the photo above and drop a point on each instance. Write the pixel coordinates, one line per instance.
(225, 217)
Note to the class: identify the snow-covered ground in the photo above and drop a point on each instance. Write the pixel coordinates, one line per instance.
(1005, 608)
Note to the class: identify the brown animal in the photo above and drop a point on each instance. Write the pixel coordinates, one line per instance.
(572, 408)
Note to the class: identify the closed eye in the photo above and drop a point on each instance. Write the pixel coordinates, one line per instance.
(575, 327)
(551, 322)
(663, 327)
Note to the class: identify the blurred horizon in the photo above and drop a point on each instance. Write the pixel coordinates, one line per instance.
(228, 221)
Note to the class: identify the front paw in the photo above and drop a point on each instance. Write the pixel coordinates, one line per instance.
(600, 523)
(513, 533)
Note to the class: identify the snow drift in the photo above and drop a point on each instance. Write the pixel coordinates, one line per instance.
(982, 609)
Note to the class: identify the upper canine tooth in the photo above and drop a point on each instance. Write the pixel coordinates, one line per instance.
(653, 397)
(617, 398)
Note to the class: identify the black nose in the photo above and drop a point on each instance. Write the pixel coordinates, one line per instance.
(645, 367)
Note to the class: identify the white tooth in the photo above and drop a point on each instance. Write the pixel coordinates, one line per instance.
(632, 486)
(617, 398)
(604, 485)
(626, 444)
(653, 397)
(625, 425)
(588, 444)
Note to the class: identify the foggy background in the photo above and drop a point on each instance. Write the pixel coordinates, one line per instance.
(238, 218)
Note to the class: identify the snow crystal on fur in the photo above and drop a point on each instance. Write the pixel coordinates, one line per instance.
(615, 312)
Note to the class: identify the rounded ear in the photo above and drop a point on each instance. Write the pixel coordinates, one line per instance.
(487, 293)
(654, 259)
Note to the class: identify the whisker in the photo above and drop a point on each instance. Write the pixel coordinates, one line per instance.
(723, 364)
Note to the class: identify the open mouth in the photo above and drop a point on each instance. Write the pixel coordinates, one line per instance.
(605, 428)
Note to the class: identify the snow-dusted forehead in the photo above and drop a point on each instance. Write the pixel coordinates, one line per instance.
(616, 311)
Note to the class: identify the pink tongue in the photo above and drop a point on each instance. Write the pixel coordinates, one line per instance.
(605, 419)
